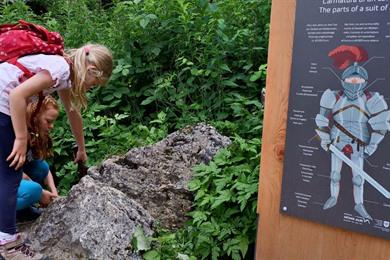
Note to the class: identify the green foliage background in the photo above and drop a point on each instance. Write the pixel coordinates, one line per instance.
(177, 62)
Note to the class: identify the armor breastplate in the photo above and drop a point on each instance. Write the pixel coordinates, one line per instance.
(350, 120)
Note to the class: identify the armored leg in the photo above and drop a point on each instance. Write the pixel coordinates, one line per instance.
(335, 177)
(358, 189)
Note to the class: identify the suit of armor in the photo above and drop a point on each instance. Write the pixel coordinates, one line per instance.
(355, 122)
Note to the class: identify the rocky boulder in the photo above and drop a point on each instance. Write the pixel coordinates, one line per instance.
(148, 185)
(156, 176)
(93, 222)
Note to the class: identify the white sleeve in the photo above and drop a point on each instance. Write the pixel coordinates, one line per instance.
(56, 65)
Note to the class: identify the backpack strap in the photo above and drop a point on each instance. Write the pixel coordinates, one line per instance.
(26, 75)
(26, 72)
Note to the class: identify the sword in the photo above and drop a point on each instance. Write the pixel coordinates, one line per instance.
(361, 172)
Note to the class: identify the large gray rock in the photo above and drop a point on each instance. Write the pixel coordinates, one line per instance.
(98, 218)
(93, 222)
(157, 176)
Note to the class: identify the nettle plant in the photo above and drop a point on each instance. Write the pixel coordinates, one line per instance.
(223, 221)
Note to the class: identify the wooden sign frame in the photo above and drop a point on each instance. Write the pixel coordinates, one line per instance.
(280, 236)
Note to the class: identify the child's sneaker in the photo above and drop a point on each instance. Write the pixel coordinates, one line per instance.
(19, 250)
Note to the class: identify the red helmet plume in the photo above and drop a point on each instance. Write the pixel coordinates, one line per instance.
(344, 55)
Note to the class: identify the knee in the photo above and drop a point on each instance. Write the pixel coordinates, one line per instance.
(36, 191)
(357, 180)
(335, 176)
(29, 193)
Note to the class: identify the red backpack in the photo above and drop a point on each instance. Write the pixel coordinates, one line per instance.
(24, 38)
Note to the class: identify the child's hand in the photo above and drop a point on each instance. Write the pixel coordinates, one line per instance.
(46, 198)
(54, 192)
(18, 154)
(81, 156)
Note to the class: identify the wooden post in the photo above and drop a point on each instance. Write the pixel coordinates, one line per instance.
(280, 236)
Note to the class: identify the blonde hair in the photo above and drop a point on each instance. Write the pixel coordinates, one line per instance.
(90, 54)
(39, 142)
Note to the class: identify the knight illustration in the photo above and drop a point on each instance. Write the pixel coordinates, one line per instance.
(351, 124)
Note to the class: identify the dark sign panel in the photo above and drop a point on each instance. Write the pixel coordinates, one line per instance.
(337, 159)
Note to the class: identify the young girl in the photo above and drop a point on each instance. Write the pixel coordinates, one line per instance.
(36, 172)
(71, 76)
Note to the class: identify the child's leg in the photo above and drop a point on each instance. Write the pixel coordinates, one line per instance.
(9, 178)
(29, 193)
(37, 170)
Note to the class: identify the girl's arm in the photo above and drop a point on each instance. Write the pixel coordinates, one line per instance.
(76, 123)
(46, 198)
(49, 182)
(18, 98)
